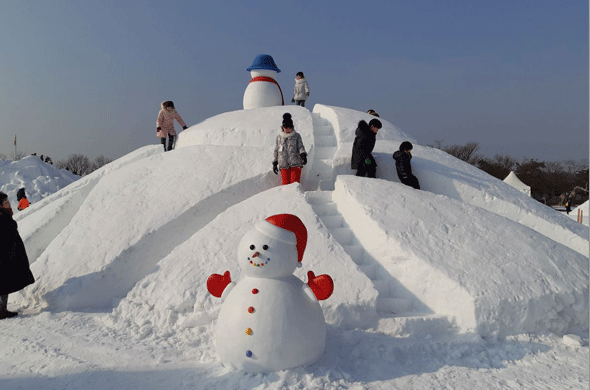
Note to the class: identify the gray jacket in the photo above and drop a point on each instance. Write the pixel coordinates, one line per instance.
(288, 150)
(301, 89)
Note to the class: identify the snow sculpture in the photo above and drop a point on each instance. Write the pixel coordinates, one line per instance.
(271, 320)
(263, 89)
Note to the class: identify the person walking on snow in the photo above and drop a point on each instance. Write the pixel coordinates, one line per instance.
(14, 263)
(301, 90)
(23, 202)
(364, 142)
(402, 159)
(289, 154)
(165, 124)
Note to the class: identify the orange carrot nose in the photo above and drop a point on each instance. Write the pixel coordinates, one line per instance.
(256, 254)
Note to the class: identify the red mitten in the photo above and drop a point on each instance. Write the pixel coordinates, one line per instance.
(322, 286)
(217, 283)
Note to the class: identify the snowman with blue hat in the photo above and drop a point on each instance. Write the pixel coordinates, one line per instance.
(263, 90)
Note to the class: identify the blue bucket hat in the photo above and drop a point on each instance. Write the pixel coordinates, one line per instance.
(265, 62)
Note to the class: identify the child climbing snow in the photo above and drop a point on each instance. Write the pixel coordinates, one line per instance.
(301, 90)
(165, 124)
(289, 155)
(23, 202)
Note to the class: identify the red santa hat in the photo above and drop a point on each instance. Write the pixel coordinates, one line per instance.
(289, 225)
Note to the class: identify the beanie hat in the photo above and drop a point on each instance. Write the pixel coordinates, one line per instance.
(292, 224)
(287, 121)
(406, 145)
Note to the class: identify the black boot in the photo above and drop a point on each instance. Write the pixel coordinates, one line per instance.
(7, 314)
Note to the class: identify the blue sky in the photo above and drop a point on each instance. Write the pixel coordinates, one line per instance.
(88, 76)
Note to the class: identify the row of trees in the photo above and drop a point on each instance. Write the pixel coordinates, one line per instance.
(81, 165)
(550, 181)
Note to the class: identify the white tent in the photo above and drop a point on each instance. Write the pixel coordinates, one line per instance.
(515, 182)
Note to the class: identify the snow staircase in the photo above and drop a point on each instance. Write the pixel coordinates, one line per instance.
(321, 175)
(327, 211)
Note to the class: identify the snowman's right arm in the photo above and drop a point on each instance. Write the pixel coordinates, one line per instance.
(219, 285)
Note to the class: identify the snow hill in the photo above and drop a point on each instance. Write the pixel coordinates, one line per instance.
(466, 255)
(38, 178)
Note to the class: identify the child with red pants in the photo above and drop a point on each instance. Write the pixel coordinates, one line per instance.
(289, 154)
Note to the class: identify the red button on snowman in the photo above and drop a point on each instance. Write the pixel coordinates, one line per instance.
(271, 320)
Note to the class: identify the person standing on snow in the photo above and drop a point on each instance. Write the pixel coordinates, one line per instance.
(402, 159)
(14, 263)
(165, 124)
(23, 202)
(364, 142)
(301, 90)
(289, 154)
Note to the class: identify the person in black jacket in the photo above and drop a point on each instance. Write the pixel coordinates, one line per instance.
(14, 263)
(364, 142)
(402, 164)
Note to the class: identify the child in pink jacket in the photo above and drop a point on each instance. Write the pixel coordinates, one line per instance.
(165, 124)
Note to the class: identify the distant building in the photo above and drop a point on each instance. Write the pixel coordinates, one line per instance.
(515, 182)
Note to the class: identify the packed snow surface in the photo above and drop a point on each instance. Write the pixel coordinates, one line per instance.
(467, 284)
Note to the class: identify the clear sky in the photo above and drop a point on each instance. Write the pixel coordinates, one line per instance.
(88, 77)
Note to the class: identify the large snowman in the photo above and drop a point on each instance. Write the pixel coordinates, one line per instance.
(271, 320)
(263, 89)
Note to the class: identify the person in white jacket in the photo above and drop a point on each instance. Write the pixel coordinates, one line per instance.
(301, 90)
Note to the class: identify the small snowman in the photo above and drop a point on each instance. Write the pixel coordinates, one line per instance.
(271, 320)
(263, 89)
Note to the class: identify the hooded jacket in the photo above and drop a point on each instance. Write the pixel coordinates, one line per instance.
(402, 165)
(301, 89)
(363, 145)
(165, 122)
(288, 149)
(14, 263)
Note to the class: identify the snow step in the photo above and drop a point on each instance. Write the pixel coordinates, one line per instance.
(323, 129)
(327, 185)
(342, 235)
(332, 221)
(322, 165)
(325, 152)
(319, 197)
(393, 305)
(355, 252)
(325, 141)
(383, 288)
(325, 209)
(324, 175)
(369, 270)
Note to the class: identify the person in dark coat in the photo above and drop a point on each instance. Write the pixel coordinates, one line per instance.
(14, 263)
(402, 159)
(364, 142)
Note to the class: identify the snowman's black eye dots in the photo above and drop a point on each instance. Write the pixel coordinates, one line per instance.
(252, 247)
(265, 247)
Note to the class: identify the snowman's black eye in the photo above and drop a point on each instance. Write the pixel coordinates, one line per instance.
(265, 247)
(252, 247)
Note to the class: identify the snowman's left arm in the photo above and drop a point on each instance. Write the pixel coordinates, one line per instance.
(322, 286)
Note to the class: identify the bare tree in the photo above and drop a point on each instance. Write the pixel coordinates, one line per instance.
(78, 164)
(18, 155)
(100, 161)
(465, 152)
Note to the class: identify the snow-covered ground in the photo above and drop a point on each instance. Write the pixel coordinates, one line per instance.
(467, 284)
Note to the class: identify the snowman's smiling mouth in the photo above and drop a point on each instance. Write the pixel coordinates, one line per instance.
(257, 261)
